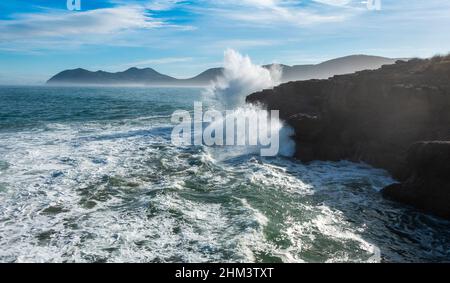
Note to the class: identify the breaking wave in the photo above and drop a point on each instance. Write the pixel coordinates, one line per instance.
(240, 78)
(91, 175)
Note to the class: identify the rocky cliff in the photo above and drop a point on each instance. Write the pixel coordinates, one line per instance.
(427, 185)
(375, 117)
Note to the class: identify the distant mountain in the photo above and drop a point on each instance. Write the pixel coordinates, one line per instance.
(204, 78)
(339, 66)
(132, 76)
(148, 76)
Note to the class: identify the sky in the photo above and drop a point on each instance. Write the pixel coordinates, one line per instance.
(39, 38)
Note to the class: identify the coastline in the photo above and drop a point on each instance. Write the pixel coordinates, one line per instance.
(373, 117)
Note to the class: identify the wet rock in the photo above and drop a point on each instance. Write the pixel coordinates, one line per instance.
(370, 116)
(427, 185)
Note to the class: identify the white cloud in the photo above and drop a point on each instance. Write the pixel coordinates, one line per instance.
(243, 43)
(58, 23)
(334, 2)
(63, 29)
(162, 5)
(270, 12)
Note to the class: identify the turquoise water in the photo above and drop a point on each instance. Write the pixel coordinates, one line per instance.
(90, 175)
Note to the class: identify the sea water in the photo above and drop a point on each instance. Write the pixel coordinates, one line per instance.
(91, 175)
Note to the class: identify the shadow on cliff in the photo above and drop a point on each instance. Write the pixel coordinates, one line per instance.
(378, 117)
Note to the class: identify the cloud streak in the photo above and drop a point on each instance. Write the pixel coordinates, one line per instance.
(51, 28)
(270, 12)
(59, 23)
(166, 33)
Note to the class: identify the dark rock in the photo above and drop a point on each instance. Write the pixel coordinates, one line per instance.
(428, 184)
(371, 116)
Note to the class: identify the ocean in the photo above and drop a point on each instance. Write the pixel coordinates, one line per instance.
(89, 174)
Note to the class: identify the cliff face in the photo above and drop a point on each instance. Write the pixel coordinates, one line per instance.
(428, 183)
(371, 116)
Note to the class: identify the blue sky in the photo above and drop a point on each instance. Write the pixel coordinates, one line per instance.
(39, 38)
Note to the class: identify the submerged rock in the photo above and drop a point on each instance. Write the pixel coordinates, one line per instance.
(374, 117)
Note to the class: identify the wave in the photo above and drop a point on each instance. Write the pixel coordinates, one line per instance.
(240, 78)
(118, 191)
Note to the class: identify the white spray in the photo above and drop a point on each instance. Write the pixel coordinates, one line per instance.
(240, 78)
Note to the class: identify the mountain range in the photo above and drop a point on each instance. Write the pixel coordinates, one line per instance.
(148, 76)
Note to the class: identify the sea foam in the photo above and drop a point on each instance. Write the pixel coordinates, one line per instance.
(240, 78)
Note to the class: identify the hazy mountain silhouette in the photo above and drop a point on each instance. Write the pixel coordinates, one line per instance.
(204, 78)
(131, 76)
(148, 76)
(339, 66)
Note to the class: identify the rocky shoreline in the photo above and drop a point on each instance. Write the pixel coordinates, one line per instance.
(396, 118)
(427, 183)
